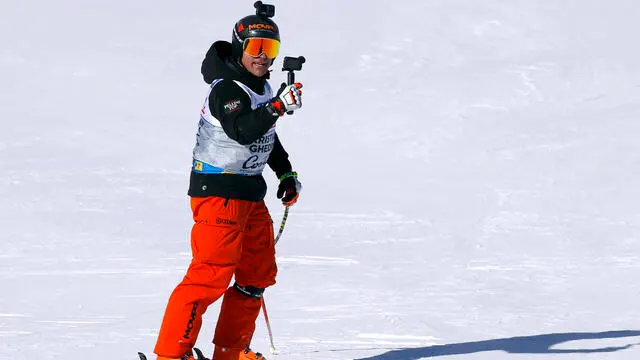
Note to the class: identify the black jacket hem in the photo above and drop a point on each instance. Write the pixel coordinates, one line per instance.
(228, 186)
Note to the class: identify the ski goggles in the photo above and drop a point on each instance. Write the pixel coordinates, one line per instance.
(258, 46)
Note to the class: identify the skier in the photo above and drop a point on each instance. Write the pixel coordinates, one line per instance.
(233, 231)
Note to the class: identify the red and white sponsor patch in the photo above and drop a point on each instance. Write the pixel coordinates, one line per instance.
(231, 106)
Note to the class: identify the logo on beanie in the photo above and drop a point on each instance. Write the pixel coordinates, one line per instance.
(262, 27)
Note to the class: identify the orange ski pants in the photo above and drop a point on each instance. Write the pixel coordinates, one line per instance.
(229, 238)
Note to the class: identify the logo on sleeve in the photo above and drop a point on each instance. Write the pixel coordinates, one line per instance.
(231, 106)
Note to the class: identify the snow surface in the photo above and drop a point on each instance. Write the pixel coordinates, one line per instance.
(469, 168)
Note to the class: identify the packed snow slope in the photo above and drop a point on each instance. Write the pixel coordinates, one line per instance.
(470, 173)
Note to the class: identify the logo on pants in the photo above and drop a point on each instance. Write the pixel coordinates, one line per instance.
(192, 318)
(225, 221)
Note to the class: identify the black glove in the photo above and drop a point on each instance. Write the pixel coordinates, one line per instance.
(289, 188)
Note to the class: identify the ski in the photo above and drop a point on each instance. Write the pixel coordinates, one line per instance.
(199, 354)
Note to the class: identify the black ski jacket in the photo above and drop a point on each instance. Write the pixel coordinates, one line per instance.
(244, 126)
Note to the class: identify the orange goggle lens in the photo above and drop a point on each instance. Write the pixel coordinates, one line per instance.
(257, 46)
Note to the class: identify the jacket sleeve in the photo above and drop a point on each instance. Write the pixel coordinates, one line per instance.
(279, 159)
(232, 107)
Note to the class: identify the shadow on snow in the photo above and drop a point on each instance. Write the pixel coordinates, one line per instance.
(536, 344)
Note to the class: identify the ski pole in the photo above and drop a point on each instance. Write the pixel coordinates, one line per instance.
(290, 65)
(284, 221)
(272, 347)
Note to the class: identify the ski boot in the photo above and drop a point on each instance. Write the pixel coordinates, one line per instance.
(221, 353)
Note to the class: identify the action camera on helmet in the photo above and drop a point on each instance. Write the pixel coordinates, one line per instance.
(264, 10)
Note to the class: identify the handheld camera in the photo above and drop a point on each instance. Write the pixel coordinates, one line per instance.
(291, 64)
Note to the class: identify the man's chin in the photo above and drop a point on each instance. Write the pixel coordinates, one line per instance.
(259, 71)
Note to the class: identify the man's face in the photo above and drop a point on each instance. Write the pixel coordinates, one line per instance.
(258, 66)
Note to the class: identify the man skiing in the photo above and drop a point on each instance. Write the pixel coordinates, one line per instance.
(233, 231)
